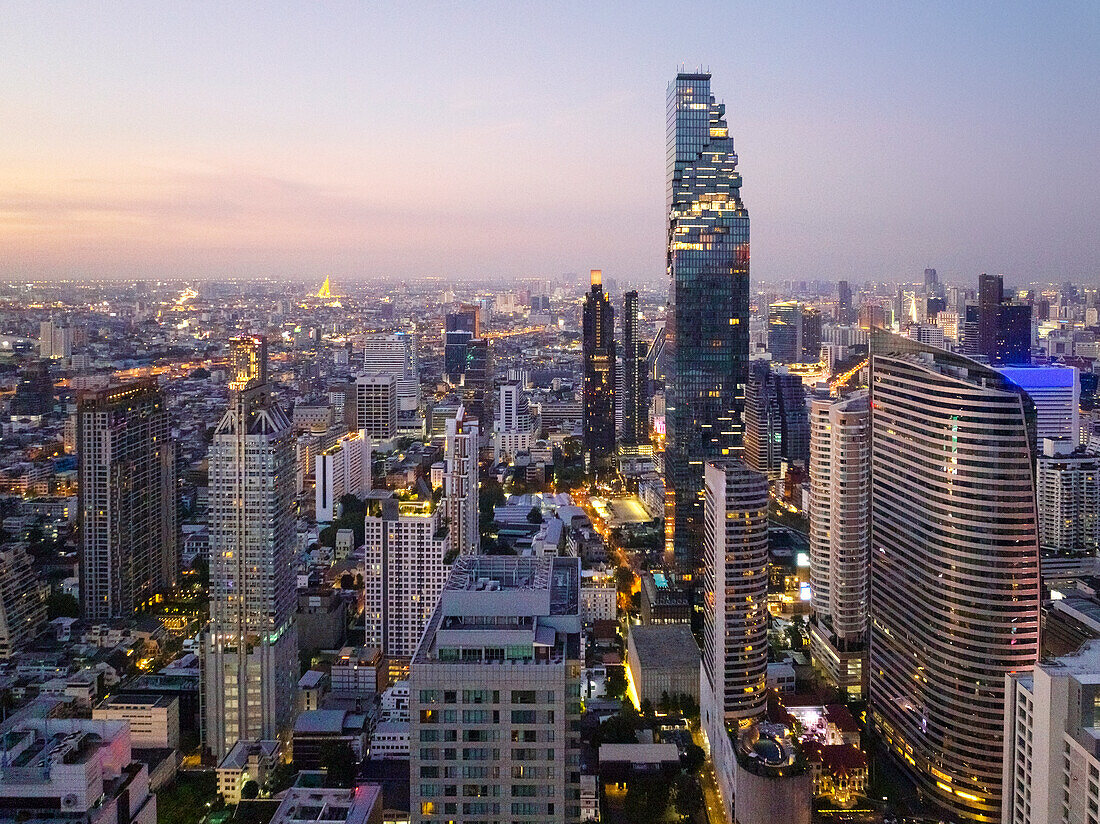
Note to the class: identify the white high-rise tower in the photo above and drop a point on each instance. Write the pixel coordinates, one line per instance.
(460, 482)
(252, 646)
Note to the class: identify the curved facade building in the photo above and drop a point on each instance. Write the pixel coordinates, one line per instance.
(954, 566)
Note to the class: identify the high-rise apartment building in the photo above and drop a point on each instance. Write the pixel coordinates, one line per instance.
(599, 374)
(1052, 723)
(707, 327)
(251, 667)
(495, 695)
(405, 546)
(54, 341)
(1056, 391)
(376, 406)
(342, 469)
(954, 566)
(22, 610)
(776, 422)
(460, 482)
(732, 684)
(1068, 481)
(398, 355)
(735, 623)
(840, 538)
(127, 472)
(635, 398)
(515, 430)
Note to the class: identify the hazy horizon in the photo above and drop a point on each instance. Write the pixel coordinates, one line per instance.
(510, 141)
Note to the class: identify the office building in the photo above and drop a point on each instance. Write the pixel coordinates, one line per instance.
(246, 761)
(1056, 392)
(844, 311)
(777, 427)
(635, 397)
(405, 547)
(1068, 482)
(309, 800)
(76, 770)
(342, 469)
(397, 355)
(840, 538)
(926, 333)
(376, 406)
(251, 667)
(1052, 724)
(127, 471)
(495, 695)
(810, 345)
(34, 393)
(460, 482)
(466, 363)
(995, 328)
(954, 566)
(598, 342)
(22, 610)
(707, 327)
(785, 331)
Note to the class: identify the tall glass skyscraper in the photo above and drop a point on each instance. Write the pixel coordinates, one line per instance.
(707, 327)
(599, 374)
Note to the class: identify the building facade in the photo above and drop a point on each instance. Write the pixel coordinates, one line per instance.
(954, 566)
(22, 610)
(707, 327)
(376, 406)
(251, 646)
(495, 695)
(1068, 485)
(127, 471)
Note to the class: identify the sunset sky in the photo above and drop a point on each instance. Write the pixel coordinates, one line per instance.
(504, 140)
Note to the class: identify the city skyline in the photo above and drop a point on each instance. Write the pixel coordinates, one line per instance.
(181, 149)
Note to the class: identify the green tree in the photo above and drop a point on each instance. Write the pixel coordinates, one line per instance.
(694, 757)
(616, 682)
(61, 604)
(534, 516)
(250, 790)
(687, 795)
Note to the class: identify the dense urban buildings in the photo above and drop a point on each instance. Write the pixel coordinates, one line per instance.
(598, 340)
(496, 680)
(251, 666)
(955, 566)
(127, 499)
(707, 325)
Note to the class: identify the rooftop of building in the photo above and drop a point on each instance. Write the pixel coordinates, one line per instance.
(665, 645)
(1083, 666)
(237, 758)
(138, 699)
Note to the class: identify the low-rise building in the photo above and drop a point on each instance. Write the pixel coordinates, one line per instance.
(247, 761)
(318, 731)
(75, 770)
(154, 719)
(663, 661)
(309, 801)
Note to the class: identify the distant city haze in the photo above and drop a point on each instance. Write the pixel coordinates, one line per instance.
(505, 140)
